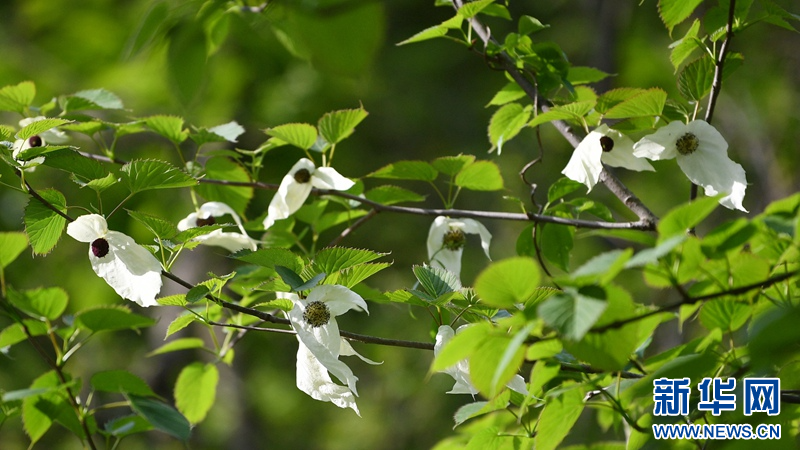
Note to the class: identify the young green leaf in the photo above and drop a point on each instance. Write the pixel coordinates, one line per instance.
(171, 127)
(508, 282)
(43, 225)
(480, 176)
(195, 390)
(92, 99)
(407, 170)
(17, 97)
(12, 243)
(436, 281)
(506, 123)
(271, 257)
(40, 303)
(559, 415)
(301, 135)
(109, 318)
(555, 242)
(647, 103)
(673, 12)
(336, 126)
(507, 94)
(572, 313)
(334, 259)
(529, 25)
(435, 31)
(178, 344)
(142, 175)
(163, 229)
(494, 363)
(452, 165)
(686, 216)
(290, 277)
(120, 381)
(39, 127)
(469, 10)
(390, 195)
(162, 416)
(685, 46)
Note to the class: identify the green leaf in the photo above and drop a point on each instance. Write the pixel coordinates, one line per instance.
(508, 282)
(563, 186)
(463, 344)
(614, 97)
(572, 313)
(180, 322)
(507, 94)
(471, 9)
(602, 268)
(570, 111)
(195, 390)
(126, 426)
(39, 127)
(435, 31)
(163, 229)
(40, 411)
(17, 97)
(480, 176)
(162, 416)
(121, 381)
(452, 165)
(685, 46)
(222, 168)
(43, 225)
(559, 415)
(336, 126)
(584, 75)
(407, 170)
(81, 167)
(332, 219)
(334, 259)
(12, 243)
(679, 220)
(647, 103)
(271, 257)
(109, 318)
(40, 303)
(290, 277)
(356, 274)
(673, 12)
(652, 255)
(556, 243)
(725, 313)
(13, 334)
(90, 99)
(696, 79)
(491, 438)
(529, 25)
(494, 363)
(142, 175)
(300, 135)
(436, 281)
(171, 127)
(506, 123)
(390, 195)
(177, 345)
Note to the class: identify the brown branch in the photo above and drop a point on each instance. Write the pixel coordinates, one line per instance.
(716, 85)
(353, 227)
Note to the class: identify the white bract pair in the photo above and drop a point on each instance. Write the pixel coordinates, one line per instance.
(446, 239)
(132, 271)
(52, 136)
(700, 149)
(296, 187)
(460, 371)
(314, 320)
(205, 215)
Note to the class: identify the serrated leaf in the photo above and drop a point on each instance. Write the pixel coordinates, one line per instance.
(161, 228)
(39, 127)
(571, 313)
(679, 220)
(69, 160)
(162, 416)
(506, 123)
(673, 12)
(40, 411)
(334, 259)
(435, 31)
(529, 25)
(407, 170)
(12, 334)
(480, 176)
(120, 381)
(436, 281)
(559, 415)
(177, 345)
(648, 103)
(563, 186)
(462, 346)
(685, 46)
(289, 277)
(584, 75)
(311, 283)
(508, 93)
(92, 99)
(352, 276)
(555, 242)
(222, 168)
(390, 195)
(696, 79)
(271, 257)
(142, 175)
(111, 318)
(195, 390)
(300, 135)
(12, 243)
(41, 303)
(488, 357)
(614, 97)
(180, 322)
(471, 9)
(452, 165)
(336, 126)
(17, 97)
(332, 219)
(88, 128)
(171, 127)
(508, 282)
(602, 268)
(43, 225)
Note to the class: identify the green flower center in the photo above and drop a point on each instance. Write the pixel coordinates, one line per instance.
(100, 247)
(606, 143)
(302, 176)
(317, 314)
(210, 220)
(454, 239)
(687, 144)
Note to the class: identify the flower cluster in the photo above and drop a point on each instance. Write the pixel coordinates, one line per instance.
(700, 149)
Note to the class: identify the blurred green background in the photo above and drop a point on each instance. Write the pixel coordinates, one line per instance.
(292, 62)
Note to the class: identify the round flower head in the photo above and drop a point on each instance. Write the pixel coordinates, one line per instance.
(132, 271)
(296, 186)
(314, 320)
(702, 154)
(446, 240)
(233, 242)
(602, 146)
(460, 371)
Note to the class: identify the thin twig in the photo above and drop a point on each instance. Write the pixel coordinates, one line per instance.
(716, 85)
(353, 227)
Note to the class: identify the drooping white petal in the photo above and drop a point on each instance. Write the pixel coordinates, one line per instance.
(347, 350)
(471, 226)
(313, 379)
(290, 197)
(716, 173)
(661, 144)
(132, 271)
(187, 222)
(329, 178)
(232, 242)
(87, 228)
(435, 235)
(621, 155)
(338, 298)
(585, 165)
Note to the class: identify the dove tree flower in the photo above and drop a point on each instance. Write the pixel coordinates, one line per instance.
(132, 271)
(314, 320)
(702, 155)
(205, 215)
(460, 371)
(446, 239)
(602, 146)
(296, 187)
(52, 136)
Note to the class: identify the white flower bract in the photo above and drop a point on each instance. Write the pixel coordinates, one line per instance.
(233, 242)
(292, 193)
(586, 163)
(132, 271)
(450, 259)
(702, 155)
(460, 371)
